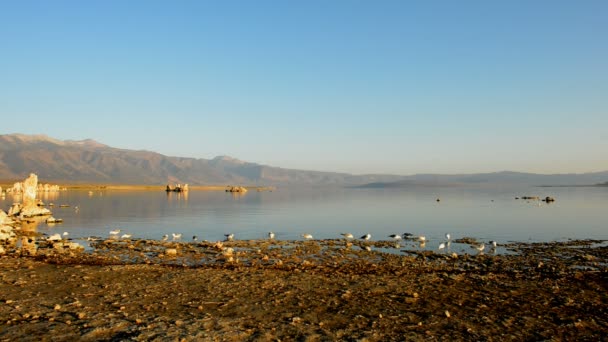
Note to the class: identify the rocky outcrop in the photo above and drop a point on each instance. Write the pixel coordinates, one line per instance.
(29, 206)
(7, 235)
(177, 188)
(239, 189)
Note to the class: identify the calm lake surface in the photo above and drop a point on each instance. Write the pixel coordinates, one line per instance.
(483, 213)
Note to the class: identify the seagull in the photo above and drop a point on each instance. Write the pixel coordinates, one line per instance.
(395, 236)
(493, 243)
(480, 247)
(368, 248)
(114, 232)
(307, 236)
(270, 235)
(407, 235)
(366, 236)
(65, 234)
(442, 245)
(448, 236)
(177, 236)
(229, 237)
(422, 238)
(194, 238)
(126, 236)
(347, 235)
(165, 237)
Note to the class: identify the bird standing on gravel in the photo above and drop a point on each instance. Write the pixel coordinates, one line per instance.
(366, 236)
(229, 236)
(177, 236)
(307, 236)
(347, 235)
(270, 235)
(395, 236)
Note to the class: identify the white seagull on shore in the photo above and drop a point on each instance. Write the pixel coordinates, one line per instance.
(114, 232)
(347, 235)
(307, 236)
(270, 235)
(177, 236)
(395, 236)
(366, 236)
(126, 236)
(480, 247)
(448, 236)
(493, 243)
(229, 237)
(441, 245)
(165, 237)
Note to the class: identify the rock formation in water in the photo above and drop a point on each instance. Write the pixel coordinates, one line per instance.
(177, 188)
(29, 207)
(236, 189)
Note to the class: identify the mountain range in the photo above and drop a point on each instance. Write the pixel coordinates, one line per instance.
(88, 161)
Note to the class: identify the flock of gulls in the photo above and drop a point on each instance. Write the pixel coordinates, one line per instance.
(421, 239)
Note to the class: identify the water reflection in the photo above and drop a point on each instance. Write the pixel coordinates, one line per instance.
(29, 229)
(47, 197)
(482, 214)
(181, 195)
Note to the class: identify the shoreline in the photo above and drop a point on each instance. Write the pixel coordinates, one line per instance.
(301, 291)
(141, 187)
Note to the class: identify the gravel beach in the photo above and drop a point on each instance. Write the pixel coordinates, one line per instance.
(302, 291)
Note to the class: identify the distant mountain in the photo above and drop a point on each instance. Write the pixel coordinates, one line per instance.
(496, 178)
(93, 162)
(88, 161)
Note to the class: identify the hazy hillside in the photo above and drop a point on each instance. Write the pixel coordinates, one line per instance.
(497, 178)
(90, 161)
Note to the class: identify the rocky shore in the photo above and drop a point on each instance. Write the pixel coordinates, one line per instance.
(322, 290)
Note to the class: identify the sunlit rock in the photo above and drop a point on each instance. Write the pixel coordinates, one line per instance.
(67, 246)
(29, 207)
(239, 189)
(6, 231)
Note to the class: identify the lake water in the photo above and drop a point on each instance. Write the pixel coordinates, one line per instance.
(483, 213)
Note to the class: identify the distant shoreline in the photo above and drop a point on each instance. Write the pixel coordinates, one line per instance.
(139, 187)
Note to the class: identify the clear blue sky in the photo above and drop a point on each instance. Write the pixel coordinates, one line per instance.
(397, 87)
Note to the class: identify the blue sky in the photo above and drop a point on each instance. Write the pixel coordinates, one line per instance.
(397, 87)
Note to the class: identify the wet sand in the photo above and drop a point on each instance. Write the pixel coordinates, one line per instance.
(302, 291)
